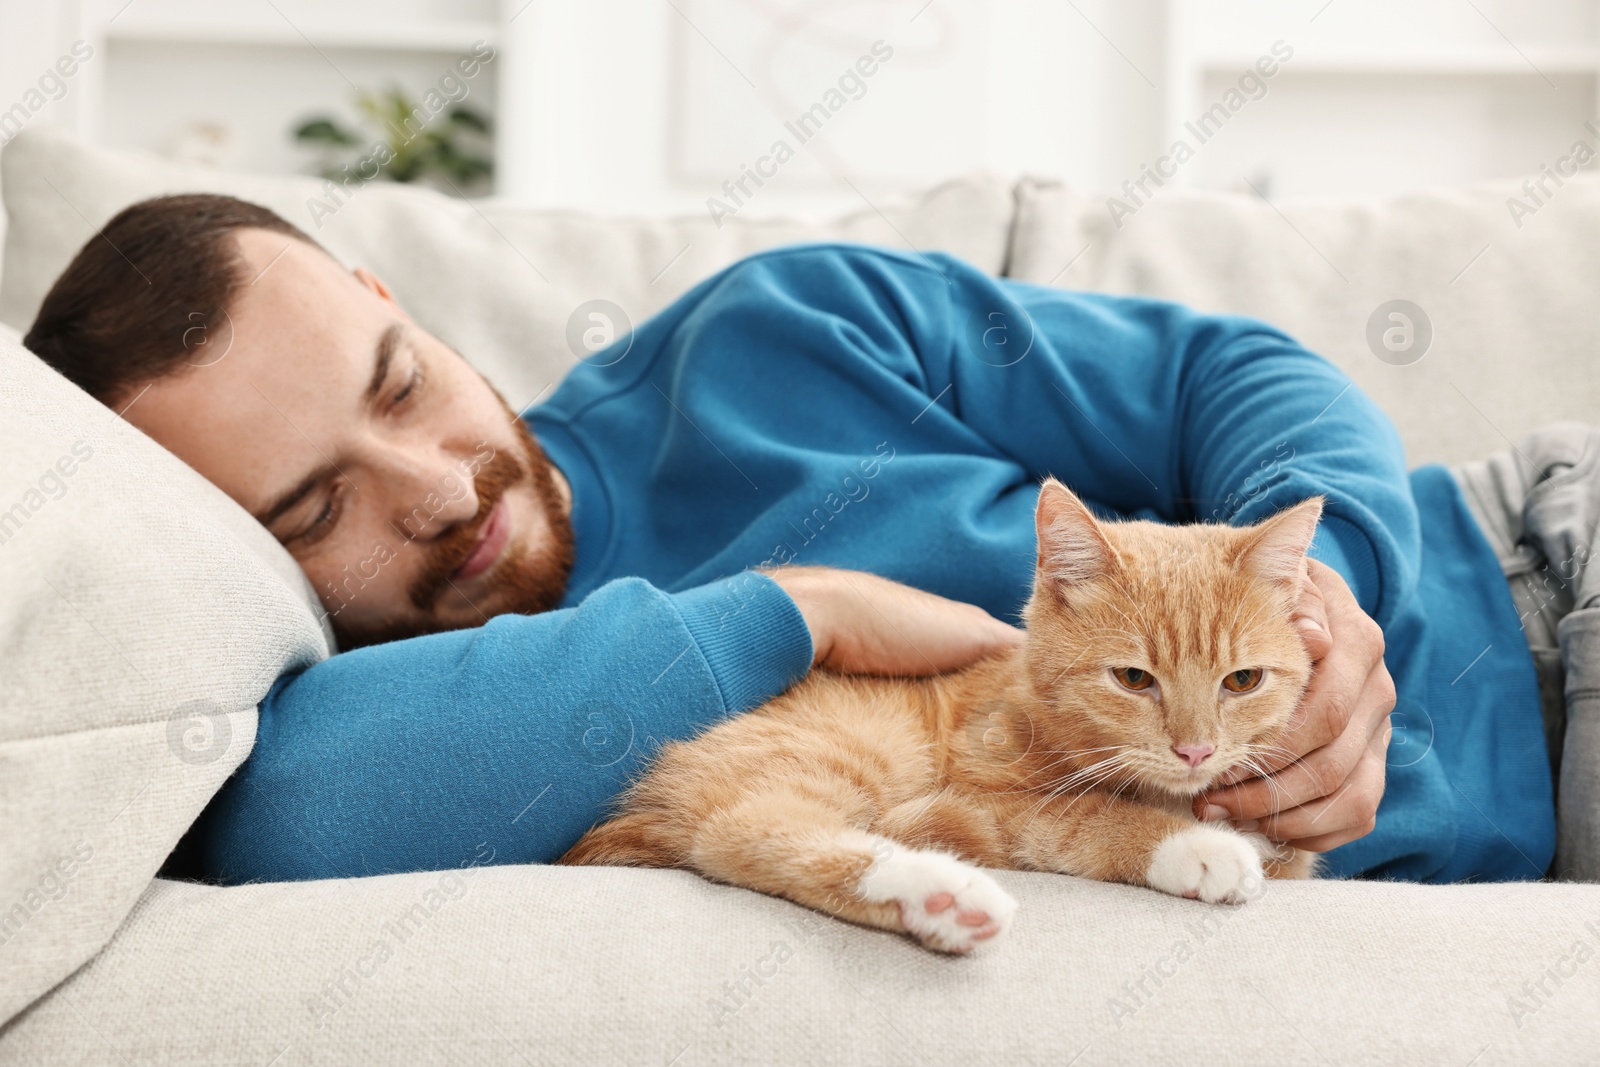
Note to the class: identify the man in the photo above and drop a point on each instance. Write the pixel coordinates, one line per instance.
(825, 454)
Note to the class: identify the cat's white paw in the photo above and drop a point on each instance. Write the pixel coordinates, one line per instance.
(1210, 863)
(945, 903)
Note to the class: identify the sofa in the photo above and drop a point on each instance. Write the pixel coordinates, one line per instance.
(143, 616)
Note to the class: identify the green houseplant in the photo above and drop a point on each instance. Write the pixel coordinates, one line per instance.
(399, 140)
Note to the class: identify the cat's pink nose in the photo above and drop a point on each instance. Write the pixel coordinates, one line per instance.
(1194, 755)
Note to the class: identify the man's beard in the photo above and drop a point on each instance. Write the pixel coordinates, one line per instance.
(525, 581)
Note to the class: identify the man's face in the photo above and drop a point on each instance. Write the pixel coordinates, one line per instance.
(410, 493)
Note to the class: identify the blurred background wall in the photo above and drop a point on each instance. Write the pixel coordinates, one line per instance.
(653, 105)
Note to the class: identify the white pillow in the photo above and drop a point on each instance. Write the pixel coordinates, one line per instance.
(496, 280)
(144, 616)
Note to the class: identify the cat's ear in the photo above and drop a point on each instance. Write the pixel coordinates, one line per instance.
(1072, 548)
(1275, 547)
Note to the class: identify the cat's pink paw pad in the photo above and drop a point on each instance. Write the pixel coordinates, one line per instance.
(945, 903)
(1208, 863)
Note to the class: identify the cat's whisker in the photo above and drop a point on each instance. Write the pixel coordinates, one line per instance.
(1270, 751)
(1075, 782)
(1064, 757)
(1034, 788)
(1094, 775)
(1117, 789)
(1072, 781)
(1278, 794)
(1037, 786)
(1052, 766)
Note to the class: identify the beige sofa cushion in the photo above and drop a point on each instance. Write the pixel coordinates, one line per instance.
(498, 281)
(1516, 341)
(144, 616)
(602, 966)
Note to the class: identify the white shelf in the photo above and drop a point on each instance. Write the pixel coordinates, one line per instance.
(1486, 59)
(1509, 93)
(441, 36)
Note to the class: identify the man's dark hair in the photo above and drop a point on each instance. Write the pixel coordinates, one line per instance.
(145, 291)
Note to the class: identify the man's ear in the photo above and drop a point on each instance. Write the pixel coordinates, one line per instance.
(375, 283)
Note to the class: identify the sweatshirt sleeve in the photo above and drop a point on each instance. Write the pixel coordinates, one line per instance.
(502, 743)
(1144, 407)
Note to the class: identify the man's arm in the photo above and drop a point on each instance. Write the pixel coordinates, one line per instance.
(508, 741)
(509, 737)
(1146, 407)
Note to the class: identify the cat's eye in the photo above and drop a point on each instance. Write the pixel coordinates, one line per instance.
(1243, 680)
(1133, 678)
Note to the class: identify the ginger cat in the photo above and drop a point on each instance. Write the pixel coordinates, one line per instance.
(1157, 658)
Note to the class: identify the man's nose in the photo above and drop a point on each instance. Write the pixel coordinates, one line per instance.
(430, 495)
(1194, 755)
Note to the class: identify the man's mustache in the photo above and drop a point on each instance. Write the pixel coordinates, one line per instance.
(450, 551)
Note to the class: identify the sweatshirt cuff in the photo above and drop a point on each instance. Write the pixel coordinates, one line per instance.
(1341, 545)
(751, 634)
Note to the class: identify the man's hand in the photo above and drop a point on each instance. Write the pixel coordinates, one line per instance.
(1325, 782)
(863, 624)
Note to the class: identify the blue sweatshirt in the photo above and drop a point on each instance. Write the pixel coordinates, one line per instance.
(891, 412)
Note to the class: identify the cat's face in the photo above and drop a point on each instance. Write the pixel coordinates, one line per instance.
(1164, 654)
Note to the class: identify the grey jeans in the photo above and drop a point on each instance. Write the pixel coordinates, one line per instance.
(1538, 503)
